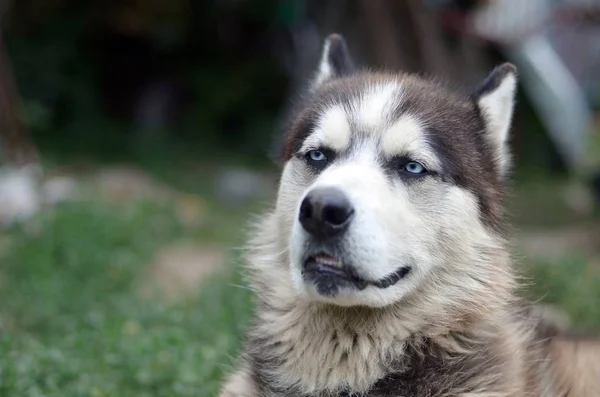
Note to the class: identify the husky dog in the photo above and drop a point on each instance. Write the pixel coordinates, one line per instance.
(383, 269)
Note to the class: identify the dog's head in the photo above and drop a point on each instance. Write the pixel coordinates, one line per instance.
(392, 182)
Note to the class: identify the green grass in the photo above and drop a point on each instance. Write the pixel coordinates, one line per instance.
(72, 322)
(571, 284)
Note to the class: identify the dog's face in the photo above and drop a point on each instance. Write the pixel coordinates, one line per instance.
(390, 182)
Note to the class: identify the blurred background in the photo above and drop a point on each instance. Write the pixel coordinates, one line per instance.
(134, 147)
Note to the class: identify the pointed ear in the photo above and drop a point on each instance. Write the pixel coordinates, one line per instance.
(495, 98)
(335, 61)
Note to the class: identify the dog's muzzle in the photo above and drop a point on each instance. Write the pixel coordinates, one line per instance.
(326, 214)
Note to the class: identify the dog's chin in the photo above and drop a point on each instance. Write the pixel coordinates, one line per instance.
(326, 279)
(350, 297)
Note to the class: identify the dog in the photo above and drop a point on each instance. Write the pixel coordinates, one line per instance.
(384, 268)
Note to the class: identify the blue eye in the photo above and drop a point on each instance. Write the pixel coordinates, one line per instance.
(316, 155)
(318, 160)
(414, 168)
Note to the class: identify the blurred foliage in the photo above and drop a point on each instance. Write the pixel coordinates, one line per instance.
(83, 70)
(569, 283)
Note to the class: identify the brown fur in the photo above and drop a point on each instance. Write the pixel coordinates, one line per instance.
(576, 366)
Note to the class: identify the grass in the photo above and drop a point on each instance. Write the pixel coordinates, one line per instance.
(570, 283)
(72, 322)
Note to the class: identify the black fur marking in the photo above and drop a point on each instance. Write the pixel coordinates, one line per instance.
(344, 357)
(429, 372)
(393, 278)
(395, 169)
(334, 337)
(303, 127)
(257, 375)
(338, 57)
(318, 166)
(354, 341)
(495, 78)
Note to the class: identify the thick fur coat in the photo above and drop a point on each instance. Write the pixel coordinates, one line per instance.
(383, 269)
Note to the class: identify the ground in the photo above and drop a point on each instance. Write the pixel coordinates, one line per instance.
(136, 291)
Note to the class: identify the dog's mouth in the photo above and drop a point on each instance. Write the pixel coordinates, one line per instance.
(327, 271)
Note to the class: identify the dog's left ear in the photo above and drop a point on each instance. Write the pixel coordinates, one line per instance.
(495, 98)
(335, 61)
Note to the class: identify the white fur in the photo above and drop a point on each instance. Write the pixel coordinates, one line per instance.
(332, 131)
(324, 71)
(374, 107)
(497, 106)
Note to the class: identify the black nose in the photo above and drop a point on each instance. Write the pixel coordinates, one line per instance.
(325, 212)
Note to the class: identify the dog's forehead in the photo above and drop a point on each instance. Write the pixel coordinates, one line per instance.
(401, 113)
(356, 108)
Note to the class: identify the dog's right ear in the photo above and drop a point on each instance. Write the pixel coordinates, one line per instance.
(495, 99)
(335, 61)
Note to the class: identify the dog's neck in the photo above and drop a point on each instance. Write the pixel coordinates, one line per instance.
(321, 348)
(324, 349)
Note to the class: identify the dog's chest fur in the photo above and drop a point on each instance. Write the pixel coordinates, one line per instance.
(426, 372)
(428, 377)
